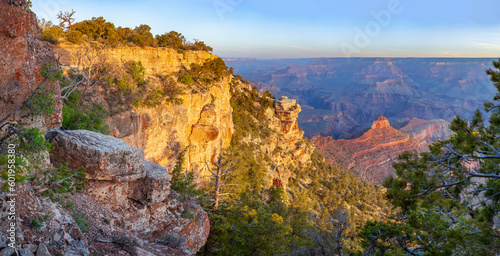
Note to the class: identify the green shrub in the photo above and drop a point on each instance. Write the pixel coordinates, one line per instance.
(185, 78)
(82, 221)
(51, 72)
(37, 224)
(40, 103)
(136, 71)
(183, 181)
(4, 170)
(62, 180)
(92, 118)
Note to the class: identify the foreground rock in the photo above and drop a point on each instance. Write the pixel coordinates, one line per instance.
(138, 192)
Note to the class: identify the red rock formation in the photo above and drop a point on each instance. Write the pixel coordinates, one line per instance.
(22, 54)
(370, 157)
(381, 122)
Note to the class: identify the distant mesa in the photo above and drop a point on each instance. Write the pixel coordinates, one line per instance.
(381, 122)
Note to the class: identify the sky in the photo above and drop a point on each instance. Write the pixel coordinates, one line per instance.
(266, 29)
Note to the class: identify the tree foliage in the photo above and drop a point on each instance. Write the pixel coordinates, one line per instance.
(104, 32)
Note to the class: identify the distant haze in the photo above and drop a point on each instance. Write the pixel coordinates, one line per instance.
(299, 29)
(342, 97)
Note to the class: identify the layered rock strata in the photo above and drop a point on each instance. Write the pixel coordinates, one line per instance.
(156, 60)
(202, 125)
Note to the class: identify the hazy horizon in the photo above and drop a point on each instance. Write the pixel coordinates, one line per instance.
(301, 29)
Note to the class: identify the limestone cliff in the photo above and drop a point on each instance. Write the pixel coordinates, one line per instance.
(202, 124)
(156, 60)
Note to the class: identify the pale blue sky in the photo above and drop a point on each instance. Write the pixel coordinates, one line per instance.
(290, 29)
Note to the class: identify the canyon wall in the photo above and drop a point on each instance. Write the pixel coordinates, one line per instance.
(341, 97)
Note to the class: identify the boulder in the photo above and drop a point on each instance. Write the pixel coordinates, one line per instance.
(153, 188)
(108, 193)
(26, 252)
(104, 157)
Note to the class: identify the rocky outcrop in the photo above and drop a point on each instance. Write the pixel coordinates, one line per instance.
(381, 122)
(59, 233)
(370, 156)
(138, 192)
(286, 146)
(22, 55)
(104, 157)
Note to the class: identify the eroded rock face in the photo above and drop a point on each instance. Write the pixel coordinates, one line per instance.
(137, 190)
(22, 54)
(286, 147)
(152, 189)
(428, 131)
(203, 122)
